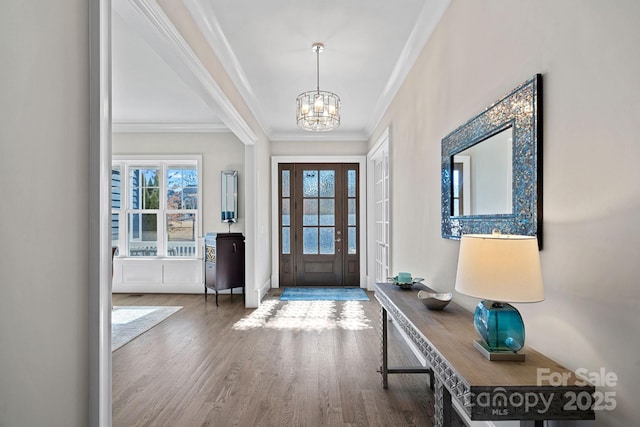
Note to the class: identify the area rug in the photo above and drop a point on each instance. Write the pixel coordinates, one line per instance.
(129, 322)
(324, 294)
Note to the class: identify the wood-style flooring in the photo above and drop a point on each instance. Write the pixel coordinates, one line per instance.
(196, 369)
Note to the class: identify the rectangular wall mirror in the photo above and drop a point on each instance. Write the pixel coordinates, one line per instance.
(229, 196)
(490, 168)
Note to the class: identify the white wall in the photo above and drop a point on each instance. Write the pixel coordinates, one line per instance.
(44, 216)
(587, 53)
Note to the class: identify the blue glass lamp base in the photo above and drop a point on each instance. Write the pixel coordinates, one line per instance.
(502, 330)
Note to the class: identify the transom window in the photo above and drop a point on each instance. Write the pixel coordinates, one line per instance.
(156, 208)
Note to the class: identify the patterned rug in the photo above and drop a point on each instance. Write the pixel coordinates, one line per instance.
(324, 294)
(129, 322)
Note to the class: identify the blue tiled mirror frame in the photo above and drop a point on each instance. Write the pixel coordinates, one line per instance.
(522, 109)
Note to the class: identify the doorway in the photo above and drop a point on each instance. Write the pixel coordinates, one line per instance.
(318, 224)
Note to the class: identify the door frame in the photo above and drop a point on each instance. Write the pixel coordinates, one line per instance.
(275, 241)
(380, 149)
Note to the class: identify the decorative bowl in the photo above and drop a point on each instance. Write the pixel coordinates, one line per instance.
(434, 300)
(405, 284)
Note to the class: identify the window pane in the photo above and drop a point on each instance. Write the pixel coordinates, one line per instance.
(181, 234)
(286, 213)
(327, 183)
(116, 188)
(327, 212)
(351, 183)
(182, 187)
(310, 184)
(115, 229)
(310, 240)
(143, 234)
(286, 240)
(286, 184)
(352, 244)
(190, 198)
(310, 212)
(456, 183)
(456, 207)
(145, 188)
(352, 212)
(116, 192)
(327, 240)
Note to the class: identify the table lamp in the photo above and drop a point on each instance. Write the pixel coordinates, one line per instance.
(499, 268)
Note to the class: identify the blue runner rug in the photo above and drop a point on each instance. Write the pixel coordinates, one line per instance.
(324, 294)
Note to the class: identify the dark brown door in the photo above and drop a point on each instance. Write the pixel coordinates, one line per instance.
(319, 226)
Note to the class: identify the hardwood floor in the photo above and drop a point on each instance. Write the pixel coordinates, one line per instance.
(197, 369)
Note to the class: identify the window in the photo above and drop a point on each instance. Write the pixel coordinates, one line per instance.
(161, 215)
(115, 205)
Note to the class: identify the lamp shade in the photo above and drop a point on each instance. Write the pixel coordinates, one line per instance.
(500, 267)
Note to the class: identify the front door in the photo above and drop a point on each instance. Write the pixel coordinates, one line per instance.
(319, 224)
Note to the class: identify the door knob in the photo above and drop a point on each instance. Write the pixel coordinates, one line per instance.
(338, 240)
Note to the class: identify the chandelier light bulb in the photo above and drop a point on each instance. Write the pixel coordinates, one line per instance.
(318, 104)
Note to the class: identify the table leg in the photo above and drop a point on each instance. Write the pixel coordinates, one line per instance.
(442, 406)
(384, 369)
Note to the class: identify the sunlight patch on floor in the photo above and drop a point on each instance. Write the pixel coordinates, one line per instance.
(306, 316)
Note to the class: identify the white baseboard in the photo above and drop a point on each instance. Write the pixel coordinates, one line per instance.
(262, 291)
(163, 288)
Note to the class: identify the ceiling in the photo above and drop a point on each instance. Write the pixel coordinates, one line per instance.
(265, 48)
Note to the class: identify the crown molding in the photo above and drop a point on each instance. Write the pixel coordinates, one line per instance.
(353, 136)
(169, 127)
(204, 16)
(164, 37)
(427, 21)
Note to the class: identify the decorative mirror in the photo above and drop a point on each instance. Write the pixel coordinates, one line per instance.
(490, 168)
(229, 196)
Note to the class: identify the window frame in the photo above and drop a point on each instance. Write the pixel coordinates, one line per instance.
(162, 162)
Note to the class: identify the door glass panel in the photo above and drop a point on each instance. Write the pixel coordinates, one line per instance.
(327, 212)
(310, 212)
(351, 183)
(352, 212)
(310, 184)
(310, 240)
(352, 241)
(286, 184)
(327, 240)
(327, 183)
(286, 240)
(286, 213)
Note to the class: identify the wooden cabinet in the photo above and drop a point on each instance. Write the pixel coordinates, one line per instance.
(224, 263)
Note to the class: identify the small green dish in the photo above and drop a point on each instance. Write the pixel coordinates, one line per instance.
(405, 284)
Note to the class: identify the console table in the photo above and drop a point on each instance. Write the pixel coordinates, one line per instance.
(485, 390)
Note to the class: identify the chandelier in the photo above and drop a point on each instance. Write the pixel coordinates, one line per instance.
(318, 110)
